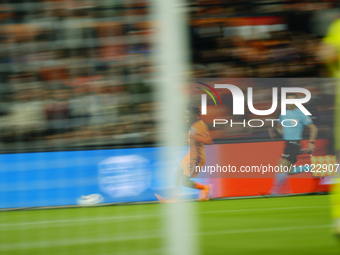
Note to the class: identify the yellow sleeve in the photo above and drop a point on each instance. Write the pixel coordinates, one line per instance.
(333, 35)
(333, 38)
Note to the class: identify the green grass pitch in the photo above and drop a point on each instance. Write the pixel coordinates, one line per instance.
(285, 225)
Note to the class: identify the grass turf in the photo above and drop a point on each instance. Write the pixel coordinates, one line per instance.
(286, 225)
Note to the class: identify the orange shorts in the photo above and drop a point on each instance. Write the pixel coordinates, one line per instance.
(189, 166)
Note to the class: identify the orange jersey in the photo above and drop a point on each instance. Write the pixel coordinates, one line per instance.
(198, 137)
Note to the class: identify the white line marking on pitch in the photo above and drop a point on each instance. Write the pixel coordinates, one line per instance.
(269, 209)
(144, 235)
(34, 223)
(92, 220)
(253, 230)
(78, 241)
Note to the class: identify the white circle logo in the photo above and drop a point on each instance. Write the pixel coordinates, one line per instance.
(124, 176)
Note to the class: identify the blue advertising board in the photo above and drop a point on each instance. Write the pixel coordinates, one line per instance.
(60, 178)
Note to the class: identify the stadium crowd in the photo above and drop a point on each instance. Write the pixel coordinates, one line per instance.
(76, 72)
(81, 72)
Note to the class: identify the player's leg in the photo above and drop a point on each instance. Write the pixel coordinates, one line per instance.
(187, 170)
(200, 162)
(190, 172)
(204, 193)
(299, 169)
(187, 182)
(289, 158)
(174, 195)
(179, 174)
(280, 179)
(178, 177)
(183, 177)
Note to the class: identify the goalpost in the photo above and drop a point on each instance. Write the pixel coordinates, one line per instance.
(171, 55)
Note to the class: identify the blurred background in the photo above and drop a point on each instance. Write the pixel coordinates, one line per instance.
(80, 114)
(76, 73)
(81, 73)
